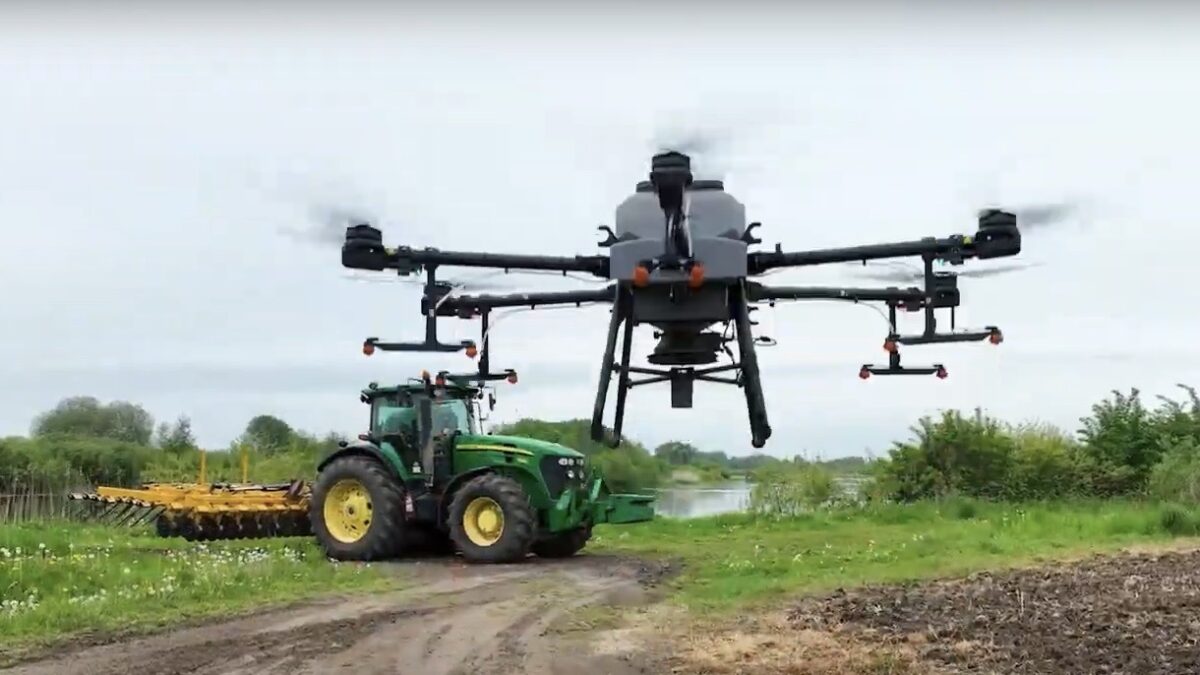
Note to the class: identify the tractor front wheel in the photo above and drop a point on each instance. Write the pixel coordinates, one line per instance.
(491, 520)
(357, 510)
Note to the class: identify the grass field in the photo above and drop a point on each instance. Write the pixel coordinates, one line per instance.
(739, 561)
(62, 578)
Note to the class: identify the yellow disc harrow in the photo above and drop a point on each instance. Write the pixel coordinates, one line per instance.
(200, 512)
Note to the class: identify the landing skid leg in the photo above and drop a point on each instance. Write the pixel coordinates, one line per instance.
(623, 380)
(606, 366)
(756, 407)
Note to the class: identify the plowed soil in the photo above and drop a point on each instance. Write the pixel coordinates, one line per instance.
(1120, 614)
(457, 619)
(1135, 614)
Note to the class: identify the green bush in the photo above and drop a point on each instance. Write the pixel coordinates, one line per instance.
(1177, 476)
(1177, 520)
(788, 494)
(59, 459)
(952, 455)
(1044, 464)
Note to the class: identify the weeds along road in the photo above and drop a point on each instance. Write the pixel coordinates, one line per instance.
(453, 619)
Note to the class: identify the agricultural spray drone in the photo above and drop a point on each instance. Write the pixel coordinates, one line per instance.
(680, 260)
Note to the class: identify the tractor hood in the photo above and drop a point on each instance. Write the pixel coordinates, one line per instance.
(522, 443)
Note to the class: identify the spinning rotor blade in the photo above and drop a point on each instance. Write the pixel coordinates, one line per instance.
(916, 276)
(327, 225)
(462, 285)
(1039, 216)
(993, 271)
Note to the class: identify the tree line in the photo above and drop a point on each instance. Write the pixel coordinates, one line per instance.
(83, 440)
(1123, 447)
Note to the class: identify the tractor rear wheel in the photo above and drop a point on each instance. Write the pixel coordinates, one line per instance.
(491, 520)
(563, 544)
(357, 510)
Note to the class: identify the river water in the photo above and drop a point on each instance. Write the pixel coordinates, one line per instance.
(709, 500)
(693, 501)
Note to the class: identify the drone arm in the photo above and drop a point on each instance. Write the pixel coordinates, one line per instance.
(997, 237)
(759, 292)
(363, 249)
(763, 261)
(407, 257)
(473, 305)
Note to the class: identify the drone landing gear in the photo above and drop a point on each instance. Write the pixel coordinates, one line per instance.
(894, 368)
(682, 378)
(751, 382)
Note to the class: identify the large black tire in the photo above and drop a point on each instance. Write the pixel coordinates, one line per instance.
(384, 523)
(564, 544)
(517, 525)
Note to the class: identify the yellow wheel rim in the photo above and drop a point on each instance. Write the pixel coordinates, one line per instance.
(483, 521)
(347, 511)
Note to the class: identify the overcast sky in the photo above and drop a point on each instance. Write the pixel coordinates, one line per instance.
(155, 168)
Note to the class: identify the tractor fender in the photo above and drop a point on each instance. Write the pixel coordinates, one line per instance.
(525, 477)
(385, 455)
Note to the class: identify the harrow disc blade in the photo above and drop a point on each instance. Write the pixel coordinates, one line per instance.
(119, 511)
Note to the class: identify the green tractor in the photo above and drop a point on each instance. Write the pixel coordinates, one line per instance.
(425, 476)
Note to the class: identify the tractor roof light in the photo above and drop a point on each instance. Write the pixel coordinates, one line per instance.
(368, 348)
(889, 345)
(864, 373)
(512, 377)
(941, 373)
(996, 337)
(472, 351)
(696, 276)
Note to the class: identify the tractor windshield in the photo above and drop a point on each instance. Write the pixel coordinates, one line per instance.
(452, 414)
(390, 415)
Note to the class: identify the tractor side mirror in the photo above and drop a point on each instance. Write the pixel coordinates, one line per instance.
(491, 401)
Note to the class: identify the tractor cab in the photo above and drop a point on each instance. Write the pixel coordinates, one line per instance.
(420, 422)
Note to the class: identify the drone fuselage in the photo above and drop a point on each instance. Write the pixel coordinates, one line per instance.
(680, 251)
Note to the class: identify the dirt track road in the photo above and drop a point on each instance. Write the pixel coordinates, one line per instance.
(454, 619)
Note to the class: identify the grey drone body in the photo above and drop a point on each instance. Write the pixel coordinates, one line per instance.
(713, 225)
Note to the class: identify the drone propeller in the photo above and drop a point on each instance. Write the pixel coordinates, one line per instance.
(464, 285)
(912, 275)
(327, 225)
(1038, 216)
